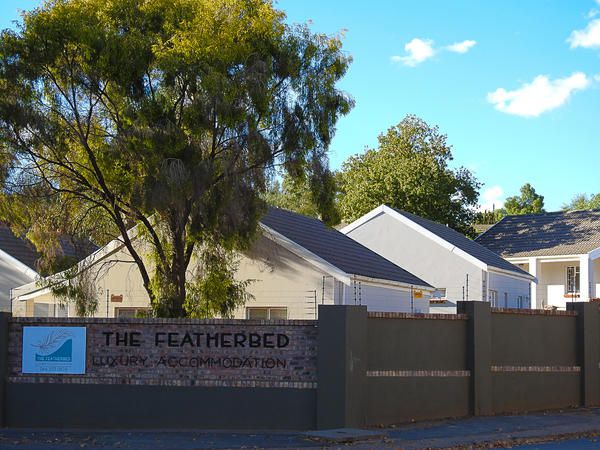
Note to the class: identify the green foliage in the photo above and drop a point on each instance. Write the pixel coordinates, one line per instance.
(582, 201)
(213, 289)
(77, 287)
(166, 114)
(489, 217)
(528, 202)
(297, 195)
(409, 171)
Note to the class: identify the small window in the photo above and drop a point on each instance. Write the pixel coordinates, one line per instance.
(506, 299)
(494, 298)
(439, 293)
(266, 313)
(520, 302)
(131, 313)
(572, 279)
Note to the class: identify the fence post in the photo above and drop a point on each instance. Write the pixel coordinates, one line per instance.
(4, 321)
(588, 350)
(341, 366)
(479, 354)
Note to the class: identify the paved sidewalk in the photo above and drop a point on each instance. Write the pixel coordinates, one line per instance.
(568, 429)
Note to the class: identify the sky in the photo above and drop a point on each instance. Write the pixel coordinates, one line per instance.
(515, 85)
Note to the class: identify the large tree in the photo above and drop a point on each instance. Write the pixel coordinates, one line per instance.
(165, 114)
(297, 194)
(410, 171)
(582, 201)
(527, 202)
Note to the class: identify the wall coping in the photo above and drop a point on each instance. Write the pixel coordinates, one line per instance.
(158, 321)
(428, 316)
(533, 312)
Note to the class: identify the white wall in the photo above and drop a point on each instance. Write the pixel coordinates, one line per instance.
(283, 279)
(420, 256)
(509, 288)
(10, 278)
(552, 283)
(385, 298)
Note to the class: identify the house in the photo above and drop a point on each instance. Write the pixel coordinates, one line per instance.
(19, 264)
(459, 268)
(296, 264)
(561, 249)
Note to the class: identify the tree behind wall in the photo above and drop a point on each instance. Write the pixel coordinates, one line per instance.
(165, 114)
(298, 195)
(582, 201)
(528, 202)
(410, 171)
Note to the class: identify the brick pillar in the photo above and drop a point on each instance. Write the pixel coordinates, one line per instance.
(479, 355)
(4, 318)
(588, 350)
(341, 366)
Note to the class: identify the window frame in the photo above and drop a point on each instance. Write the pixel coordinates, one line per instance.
(269, 309)
(493, 298)
(574, 278)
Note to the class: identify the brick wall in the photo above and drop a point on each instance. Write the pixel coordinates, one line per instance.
(218, 353)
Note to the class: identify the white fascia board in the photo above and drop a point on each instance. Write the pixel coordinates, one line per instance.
(560, 258)
(363, 219)
(512, 274)
(396, 284)
(519, 260)
(33, 294)
(305, 254)
(594, 254)
(23, 268)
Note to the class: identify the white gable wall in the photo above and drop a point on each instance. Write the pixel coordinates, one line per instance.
(421, 256)
(283, 279)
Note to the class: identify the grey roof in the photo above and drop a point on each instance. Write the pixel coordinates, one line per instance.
(23, 250)
(335, 247)
(549, 234)
(467, 245)
(19, 248)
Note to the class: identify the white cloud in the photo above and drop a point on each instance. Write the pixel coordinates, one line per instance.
(597, 77)
(589, 37)
(418, 50)
(591, 14)
(539, 96)
(492, 197)
(462, 47)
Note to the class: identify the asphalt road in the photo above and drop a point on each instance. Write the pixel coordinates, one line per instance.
(574, 429)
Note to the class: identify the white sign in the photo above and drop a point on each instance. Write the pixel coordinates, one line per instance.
(54, 350)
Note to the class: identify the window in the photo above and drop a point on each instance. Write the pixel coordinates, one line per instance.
(520, 301)
(439, 293)
(266, 313)
(130, 313)
(494, 298)
(572, 279)
(506, 299)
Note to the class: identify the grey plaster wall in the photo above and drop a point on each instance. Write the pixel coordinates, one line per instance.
(421, 256)
(417, 344)
(122, 406)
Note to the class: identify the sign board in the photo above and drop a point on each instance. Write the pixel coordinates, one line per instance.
(54, 350)
(116, 298)
(418, 294)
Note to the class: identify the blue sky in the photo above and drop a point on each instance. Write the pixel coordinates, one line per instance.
(518, 96)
